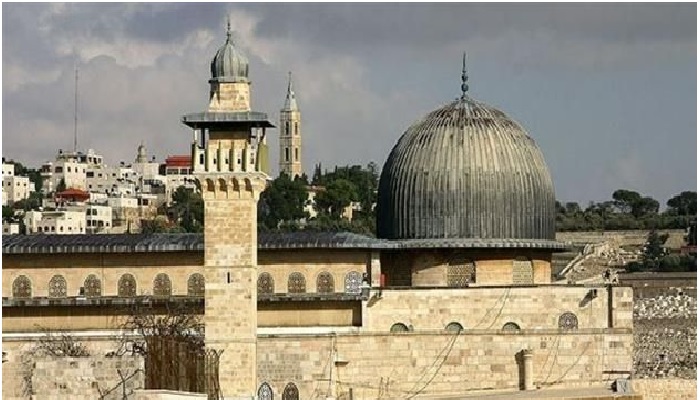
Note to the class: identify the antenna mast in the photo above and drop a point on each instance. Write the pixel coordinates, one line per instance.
(75, 114)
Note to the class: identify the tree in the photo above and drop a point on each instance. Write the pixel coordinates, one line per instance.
(336, 197)
(186, 211)
(61, 186)
(684, 203)
(624, 200)
(654, 248)
(283, 201)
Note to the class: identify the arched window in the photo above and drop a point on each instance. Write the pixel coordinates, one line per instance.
(454, 327)
(195, 285)
(266, 285)
(522, 271)
(296, 283)
(398, 328)
(287, 131)
(93, 286)
(460, 272)
(57, 286)
(324, 283)
(353, 282)
(126, 286)
(162, 285)
(22, 287)
(568, 320)
(290, 392)
(511, 327)
(265, 392)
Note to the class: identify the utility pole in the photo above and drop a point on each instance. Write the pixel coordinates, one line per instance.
(75, 114)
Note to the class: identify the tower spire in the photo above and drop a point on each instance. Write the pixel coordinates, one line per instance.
(290, 103)
(228, 29)
(465, 78)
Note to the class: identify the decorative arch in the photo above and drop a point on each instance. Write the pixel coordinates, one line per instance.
(58, 286)
(266, 285)
(126, 286)
(398, 328)
(22, 287)
(325, 283)
(92, 286)
(162, 285)
(454, 327)
(461, 271)
(568, 320)
(222, 185)
(265, 392)
(522, 271)
(353, 282)
(195, 285)
(296, 283)
(290, 392)
(210, 185)
(511, 327)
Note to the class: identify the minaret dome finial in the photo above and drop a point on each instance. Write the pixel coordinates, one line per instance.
(465, 78)
(228, 29)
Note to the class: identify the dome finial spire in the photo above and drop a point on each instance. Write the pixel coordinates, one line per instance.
(465, 78)
(228, 29)
(289, 85)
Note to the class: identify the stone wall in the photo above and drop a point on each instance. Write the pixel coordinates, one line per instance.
(533, 307)
(666, 389)
(82, 378)
(622, 238)
(438, 363)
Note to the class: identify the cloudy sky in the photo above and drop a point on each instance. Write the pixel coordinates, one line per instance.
(608, 91)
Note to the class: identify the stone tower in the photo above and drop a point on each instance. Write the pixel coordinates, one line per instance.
(226, 162)
(290, 135)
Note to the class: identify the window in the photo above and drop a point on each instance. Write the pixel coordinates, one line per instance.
(296, 128)
(511, 327)
(286, 154)
(454, 327)
(265, 392)
(68, 168)
(22, 287)
(296, 283)
(353, 282)
(568, 320)
(290, 392)
(93, 286)
(324, 283)
(59, 169)
(266, 285)
(127, 286)
(398, 328)
(287, 131)
(522, 271)
(195, 285)
(162, 285)
(296, 154)
(460, 272)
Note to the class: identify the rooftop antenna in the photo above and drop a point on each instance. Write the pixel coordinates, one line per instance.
(75, 114)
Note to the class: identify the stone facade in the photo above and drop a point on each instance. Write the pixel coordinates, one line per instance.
(666, 389)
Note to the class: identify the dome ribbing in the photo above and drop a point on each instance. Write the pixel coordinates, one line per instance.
(229, 64)
(465, 171)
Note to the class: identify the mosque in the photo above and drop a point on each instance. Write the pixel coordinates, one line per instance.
(454, 296)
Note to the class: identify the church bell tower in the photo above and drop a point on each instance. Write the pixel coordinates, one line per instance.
(290, 135)
(229, 163)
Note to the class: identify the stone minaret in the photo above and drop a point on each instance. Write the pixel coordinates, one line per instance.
(226, 164)
(290, 135)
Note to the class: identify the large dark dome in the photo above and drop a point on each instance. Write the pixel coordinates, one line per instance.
(466, 171)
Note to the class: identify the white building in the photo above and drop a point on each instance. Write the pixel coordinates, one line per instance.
(55, 222)
(14, 187)
(10, 228)
(98, 219)
(71, 167)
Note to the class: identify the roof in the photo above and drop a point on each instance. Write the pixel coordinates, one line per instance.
(175, 242)
(466, 171)
(179, 161)
(162, 242)
(254, 119)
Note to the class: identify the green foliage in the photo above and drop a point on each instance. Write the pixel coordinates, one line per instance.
(8, 214)
(61, 186)
(684, 203)
(187, 210)
(628, 210)
(337, 195)
(282, 202)
(33, 202)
